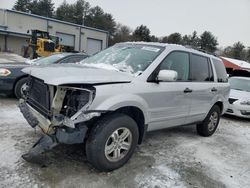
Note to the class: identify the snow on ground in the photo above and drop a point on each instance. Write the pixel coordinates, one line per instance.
(10, 58)
(175, 157)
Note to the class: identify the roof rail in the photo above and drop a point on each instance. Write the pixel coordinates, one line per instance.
(201, 50)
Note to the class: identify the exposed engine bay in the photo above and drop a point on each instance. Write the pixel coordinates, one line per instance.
(60, 112)
(61, 105)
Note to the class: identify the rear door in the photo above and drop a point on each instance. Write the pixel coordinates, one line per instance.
(202, 86)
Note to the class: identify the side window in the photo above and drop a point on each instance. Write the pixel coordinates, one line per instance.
(200, 68)
(66, 60)
(72, 59)
(78, 58)
(179, 62)
(220, 71)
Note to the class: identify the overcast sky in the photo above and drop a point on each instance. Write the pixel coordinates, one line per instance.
(228, 20)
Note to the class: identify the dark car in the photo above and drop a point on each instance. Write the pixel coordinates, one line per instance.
(12, 79)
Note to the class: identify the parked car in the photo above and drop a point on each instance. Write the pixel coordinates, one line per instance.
(239, 98)
(113, 98)
(12, 79)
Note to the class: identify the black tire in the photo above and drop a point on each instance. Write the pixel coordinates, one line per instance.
(18, 87)
(205, 128)
(100, 136)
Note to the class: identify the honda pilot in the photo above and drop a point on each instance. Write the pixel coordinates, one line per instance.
(110, 100)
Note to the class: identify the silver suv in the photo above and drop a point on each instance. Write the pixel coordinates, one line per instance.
(110, 100)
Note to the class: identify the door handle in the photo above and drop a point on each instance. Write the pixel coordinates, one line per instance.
(214, 89)
(187, 90)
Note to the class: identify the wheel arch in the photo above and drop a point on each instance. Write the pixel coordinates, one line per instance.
(220, 104)
(130, 104)
(137, 115)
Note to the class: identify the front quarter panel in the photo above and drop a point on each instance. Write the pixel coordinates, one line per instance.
(114, 96)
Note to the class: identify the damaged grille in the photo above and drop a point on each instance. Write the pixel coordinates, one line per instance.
(39, 96)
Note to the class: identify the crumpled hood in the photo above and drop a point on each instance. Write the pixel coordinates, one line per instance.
(237, 94)
(76, 74)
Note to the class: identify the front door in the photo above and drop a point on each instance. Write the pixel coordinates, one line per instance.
(169, 102)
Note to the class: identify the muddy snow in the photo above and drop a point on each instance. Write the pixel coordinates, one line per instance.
(175, 157)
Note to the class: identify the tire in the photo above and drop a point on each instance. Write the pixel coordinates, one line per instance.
(102, 136)
(18, 87)
(210, 124)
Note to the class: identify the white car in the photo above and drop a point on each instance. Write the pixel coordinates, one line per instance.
(239, 98)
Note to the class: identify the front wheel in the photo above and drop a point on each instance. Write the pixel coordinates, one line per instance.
(210, 124)
(112, 142)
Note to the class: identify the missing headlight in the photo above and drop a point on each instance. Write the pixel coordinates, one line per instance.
(74, 100)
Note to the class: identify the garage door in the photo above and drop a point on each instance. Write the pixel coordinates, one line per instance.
(93, 46)
(66, 39)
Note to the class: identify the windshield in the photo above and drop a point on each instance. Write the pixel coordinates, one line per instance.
(48, 60)
(130, 58)
(240, 84)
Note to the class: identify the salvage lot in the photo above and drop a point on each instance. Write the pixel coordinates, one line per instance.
(175, 157)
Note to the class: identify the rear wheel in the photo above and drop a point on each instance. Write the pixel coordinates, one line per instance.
(20, 87)
(112, 142)
(210, 124)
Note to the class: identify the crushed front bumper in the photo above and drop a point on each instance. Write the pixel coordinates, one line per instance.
(53, 136)
(60, 134)
(33, 117)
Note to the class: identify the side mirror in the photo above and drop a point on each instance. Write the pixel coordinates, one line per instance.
(28, 31)
(167, 76)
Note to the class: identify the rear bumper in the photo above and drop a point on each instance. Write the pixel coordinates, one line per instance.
(61, 134)
(6, 84)
(238, 110)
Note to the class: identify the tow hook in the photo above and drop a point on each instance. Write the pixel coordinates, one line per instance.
(45, 143)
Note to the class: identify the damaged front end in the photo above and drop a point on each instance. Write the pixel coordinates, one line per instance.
(60, 111)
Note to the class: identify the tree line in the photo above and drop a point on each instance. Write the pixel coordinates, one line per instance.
(82, 13)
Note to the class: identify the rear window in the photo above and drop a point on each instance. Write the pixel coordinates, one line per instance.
(200, 69)
(220, 71)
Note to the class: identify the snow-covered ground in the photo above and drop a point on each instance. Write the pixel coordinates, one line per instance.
(11, 58)
(175, 157)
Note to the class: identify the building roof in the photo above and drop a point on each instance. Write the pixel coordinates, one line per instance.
(55, 20)
(238, 63)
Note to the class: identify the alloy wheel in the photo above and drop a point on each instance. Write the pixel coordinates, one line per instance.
(213, 120)
(118, 144)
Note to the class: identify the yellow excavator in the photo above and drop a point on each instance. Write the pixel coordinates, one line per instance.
(41, 44)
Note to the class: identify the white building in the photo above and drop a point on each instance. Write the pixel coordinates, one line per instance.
(14, 26)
